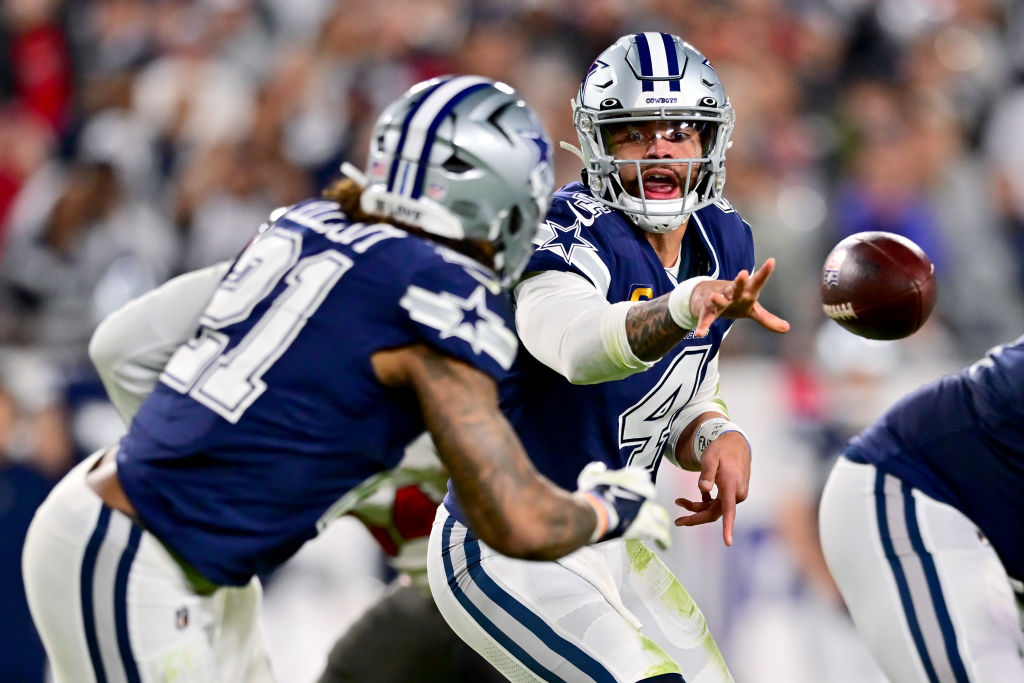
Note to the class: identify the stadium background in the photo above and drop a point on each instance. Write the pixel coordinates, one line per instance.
(143, 138)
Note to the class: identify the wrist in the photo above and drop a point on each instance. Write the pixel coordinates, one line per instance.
(679, 303)
(606, 517)
(712, 429)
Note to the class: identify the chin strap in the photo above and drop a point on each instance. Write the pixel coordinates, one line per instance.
(571, 148)
(350, 171)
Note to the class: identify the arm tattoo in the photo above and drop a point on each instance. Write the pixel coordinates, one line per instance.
(498, 487)
(650, 329)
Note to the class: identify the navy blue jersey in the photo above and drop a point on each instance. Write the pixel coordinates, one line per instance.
(564, 426)
(272, 412)
(961, 441)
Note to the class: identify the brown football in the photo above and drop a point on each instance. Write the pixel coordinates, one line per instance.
(878, 285)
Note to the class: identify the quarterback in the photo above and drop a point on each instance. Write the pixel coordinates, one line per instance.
(638, 274)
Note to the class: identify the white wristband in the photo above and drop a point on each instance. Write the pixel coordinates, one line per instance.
(679, 302)
(711, 430)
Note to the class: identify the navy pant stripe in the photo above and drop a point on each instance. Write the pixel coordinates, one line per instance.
(88, 574)
(121, 605)
(535, 624)
(900, 577)
(646, 68)
(934, 587)
(478, 616)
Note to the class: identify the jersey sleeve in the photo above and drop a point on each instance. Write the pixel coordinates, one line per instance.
(133, 344)
(460, 310)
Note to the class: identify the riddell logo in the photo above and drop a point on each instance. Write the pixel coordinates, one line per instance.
(661, 100)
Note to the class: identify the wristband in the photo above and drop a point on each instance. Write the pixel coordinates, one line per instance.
(712, 429)
(679, 302)
(607, 518)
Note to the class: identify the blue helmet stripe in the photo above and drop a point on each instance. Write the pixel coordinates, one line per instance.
(421, 168)
(393, 171)
(646, 68)
(672, 61)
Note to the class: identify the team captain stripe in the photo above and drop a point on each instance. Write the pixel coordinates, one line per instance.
(420, 126)
(657, 52)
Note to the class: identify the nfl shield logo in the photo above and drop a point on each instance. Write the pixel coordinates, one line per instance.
(831, 272)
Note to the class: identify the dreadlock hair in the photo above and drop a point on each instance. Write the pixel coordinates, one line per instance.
(347, 192)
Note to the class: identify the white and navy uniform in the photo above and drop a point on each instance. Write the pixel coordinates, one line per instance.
(612, 611)
(260, 426)
(921, 526)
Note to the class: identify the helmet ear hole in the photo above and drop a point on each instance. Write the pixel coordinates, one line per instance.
(515, 221)
(454, 164)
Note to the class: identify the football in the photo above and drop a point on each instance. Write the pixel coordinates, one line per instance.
(878, 285)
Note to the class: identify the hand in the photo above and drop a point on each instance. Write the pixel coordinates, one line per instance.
(713, 299)
(624, 498)
(726, 464)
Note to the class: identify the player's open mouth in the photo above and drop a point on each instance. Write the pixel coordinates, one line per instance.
(660, 183)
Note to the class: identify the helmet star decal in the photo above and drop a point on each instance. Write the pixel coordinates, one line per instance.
(565, 241)
(542, 143)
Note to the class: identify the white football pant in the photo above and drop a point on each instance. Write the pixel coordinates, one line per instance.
(112, 605)
(607, 612)
(926, 591)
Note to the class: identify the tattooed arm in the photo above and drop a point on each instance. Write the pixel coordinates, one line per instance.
(568, 325)
(509, 505)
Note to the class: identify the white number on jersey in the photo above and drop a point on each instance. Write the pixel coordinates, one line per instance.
(647, 424)
(228, 383)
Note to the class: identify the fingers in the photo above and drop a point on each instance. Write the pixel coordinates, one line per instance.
(769, 321)
(711, 514)
(693, 505)
(727, 498)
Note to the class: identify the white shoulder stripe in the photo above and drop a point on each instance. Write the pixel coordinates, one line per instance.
(468, 319)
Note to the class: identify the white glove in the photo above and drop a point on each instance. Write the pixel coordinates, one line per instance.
(623, 501)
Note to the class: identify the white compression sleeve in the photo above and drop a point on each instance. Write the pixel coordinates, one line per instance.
(568, 325)
(132, 345)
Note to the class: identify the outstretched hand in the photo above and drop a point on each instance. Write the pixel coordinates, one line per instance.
(725, 463)
(713, 299)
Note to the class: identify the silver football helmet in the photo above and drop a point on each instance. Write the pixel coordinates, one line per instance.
(648, 77)
(464, 158)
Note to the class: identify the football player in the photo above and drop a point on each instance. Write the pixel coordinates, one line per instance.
(921, 520)
(350, 325)
(638, 275)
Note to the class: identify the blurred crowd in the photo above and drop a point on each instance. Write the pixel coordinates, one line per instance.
(143, 138)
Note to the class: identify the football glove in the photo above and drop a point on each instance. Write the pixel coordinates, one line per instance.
(623, 501)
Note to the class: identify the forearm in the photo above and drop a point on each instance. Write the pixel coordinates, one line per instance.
(508, 504)
(650, 329)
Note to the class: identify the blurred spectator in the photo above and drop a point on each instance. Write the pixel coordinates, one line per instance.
(34, 453)
(38, 57)
(74, 235)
